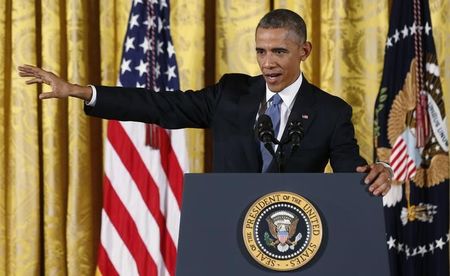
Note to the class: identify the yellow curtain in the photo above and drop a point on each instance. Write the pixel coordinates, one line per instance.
(50, 152)
(50, 181)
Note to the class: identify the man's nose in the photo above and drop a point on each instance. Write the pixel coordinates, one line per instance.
(268, 61)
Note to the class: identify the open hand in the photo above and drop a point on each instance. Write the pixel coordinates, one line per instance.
(378, 178)
(60, 87)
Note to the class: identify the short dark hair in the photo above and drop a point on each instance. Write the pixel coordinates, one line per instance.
(283, 18)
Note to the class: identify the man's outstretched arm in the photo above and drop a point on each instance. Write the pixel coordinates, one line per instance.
(172, 110)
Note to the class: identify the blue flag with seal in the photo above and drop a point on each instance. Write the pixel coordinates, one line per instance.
(410, 132)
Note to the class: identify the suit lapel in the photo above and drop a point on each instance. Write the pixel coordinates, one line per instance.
(303, 109)
(248, 108)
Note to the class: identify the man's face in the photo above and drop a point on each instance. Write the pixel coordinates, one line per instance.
(279, 53)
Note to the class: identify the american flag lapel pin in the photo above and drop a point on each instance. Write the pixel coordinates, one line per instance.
(305, 116)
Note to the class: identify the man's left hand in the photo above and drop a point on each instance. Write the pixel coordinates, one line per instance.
(378, 177)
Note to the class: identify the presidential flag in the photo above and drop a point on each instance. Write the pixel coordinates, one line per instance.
(411, 134)
(144, 164)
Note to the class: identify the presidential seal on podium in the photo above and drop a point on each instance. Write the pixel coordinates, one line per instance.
(282, 231)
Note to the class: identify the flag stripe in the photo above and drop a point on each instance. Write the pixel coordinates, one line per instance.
(178, 140)
(398, 155)
(129, 195)
(411, 168)
(399, 166)
(170, 164)
(127, 230)
(134, 164)
(104, 264)
(403, 166)
(117, 251)
(400, 150)
(168, 203)
(402, 174)
(400, 143)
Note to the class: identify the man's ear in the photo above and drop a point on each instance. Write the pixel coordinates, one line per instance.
(306, 50)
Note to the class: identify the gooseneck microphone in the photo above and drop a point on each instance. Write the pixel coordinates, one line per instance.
(265, 133)
(295, 134)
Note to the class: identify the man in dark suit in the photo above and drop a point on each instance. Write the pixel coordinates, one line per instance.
(232, 106)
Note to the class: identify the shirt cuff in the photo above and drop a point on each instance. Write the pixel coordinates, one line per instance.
(93, 98)
(387, 166)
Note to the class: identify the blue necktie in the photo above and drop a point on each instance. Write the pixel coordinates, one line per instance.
(273, 111)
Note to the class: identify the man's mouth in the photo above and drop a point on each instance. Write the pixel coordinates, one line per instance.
(273, 77)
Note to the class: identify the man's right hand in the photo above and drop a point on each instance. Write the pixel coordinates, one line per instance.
(60, 88)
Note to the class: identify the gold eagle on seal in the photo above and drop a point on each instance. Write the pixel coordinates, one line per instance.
(282, 227)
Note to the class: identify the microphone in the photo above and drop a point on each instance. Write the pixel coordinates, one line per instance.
(295, 134)
(265, 132)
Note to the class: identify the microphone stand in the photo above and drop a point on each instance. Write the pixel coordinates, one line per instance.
(295, 135)
(279, 158)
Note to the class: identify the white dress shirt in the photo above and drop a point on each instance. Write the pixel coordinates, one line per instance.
(93, 98)
(288, 95)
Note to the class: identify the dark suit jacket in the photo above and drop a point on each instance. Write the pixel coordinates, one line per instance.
(229, 109)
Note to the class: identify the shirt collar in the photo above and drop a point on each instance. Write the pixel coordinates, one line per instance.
(289, 93)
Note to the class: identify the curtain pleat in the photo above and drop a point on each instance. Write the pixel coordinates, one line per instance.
(187, 17)
(4, 87)
(235, 35)
(53, 45)
(23, 209)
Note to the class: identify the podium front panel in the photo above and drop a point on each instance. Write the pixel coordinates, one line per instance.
(214, 206)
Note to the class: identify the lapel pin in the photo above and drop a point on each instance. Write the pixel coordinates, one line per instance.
(305, 116)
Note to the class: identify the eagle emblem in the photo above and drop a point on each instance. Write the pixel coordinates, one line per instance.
(425, 166)
(282, 227)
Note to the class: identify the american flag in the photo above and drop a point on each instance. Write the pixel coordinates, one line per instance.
(144, 164)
